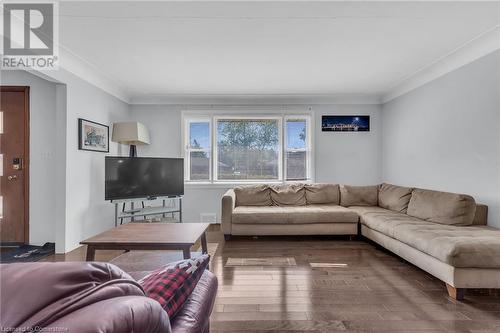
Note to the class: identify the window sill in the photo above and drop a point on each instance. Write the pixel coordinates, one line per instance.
(229, 185)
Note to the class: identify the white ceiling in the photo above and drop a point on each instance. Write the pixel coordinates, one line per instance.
(266, 48)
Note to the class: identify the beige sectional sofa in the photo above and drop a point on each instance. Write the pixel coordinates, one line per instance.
(443, 233)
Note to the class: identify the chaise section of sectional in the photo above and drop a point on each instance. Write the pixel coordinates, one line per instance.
(457, 278)
(443, 237)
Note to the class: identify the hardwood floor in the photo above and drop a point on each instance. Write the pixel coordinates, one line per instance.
(374, 292)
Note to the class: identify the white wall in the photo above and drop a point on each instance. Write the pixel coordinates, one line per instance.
(445, 135)
(66, 184)
(349, 158)
(352, 158)
(60, 168)
(43, 153)
(87, 213)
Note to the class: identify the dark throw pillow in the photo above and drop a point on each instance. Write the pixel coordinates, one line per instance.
(172, 285)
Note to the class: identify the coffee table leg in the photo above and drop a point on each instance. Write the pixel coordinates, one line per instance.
(90, 253)
(204, 248)
(187, 253)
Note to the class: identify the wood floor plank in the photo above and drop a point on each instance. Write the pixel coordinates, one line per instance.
(258, 316)
(278, 325)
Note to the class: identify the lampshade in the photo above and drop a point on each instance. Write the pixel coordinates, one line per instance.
(130, 133)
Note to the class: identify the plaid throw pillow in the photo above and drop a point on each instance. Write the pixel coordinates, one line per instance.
(173, 284)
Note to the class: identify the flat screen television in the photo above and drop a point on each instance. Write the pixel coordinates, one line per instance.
(143, 177)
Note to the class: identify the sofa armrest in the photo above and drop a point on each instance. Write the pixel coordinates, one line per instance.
(60, 288)
(194, 317)
(228, 205)
(481, 215)
(116, 315)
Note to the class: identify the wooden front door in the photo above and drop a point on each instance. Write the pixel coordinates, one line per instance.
(14, 173)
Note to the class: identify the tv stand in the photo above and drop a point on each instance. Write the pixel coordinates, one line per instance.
(133, 212)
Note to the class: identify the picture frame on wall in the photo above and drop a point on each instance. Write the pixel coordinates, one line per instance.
(345, 123)
(93, 136)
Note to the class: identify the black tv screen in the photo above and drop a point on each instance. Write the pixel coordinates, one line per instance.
(143, 177)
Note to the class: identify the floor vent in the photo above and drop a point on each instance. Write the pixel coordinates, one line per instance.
(208, 217)
(326, 265)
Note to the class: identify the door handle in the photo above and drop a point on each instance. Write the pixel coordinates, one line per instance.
(12, 177)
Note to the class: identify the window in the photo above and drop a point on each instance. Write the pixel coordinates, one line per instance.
(247, 149)
(198, 150)
(296, 149)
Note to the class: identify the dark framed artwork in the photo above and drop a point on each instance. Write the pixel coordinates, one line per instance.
(93, 136)
(345, 123)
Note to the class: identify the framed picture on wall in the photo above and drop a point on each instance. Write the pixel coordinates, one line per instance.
(345, 123)
(93, 136)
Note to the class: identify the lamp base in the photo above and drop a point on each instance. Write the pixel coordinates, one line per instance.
(133, 151)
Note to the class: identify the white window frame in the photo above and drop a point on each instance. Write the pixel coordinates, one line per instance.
(187, 146)
(307, 149)
(213, 117)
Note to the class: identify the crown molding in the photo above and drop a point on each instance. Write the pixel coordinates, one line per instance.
(82, 69)
(470, 51)
(254, 99)
(88, 72)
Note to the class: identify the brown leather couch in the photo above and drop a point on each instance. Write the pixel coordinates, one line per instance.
(93, 297)
(194, 317)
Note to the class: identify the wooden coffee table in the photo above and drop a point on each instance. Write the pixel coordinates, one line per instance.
(149, 236)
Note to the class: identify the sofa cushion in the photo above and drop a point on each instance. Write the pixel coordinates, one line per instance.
(293, 214)
(394, 197)
(358, 195)
(255, 195)
(362, 210)
(388, 221)
(288, 195)
(442, 207)
(322, 194)
(377, 217)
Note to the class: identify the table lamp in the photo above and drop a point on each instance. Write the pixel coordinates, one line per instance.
(131, 133)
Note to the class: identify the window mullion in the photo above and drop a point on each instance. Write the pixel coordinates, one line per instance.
(215, 155)
(284, 144)
(187, 152)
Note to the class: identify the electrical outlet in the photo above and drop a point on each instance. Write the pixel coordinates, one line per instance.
(208, 217)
